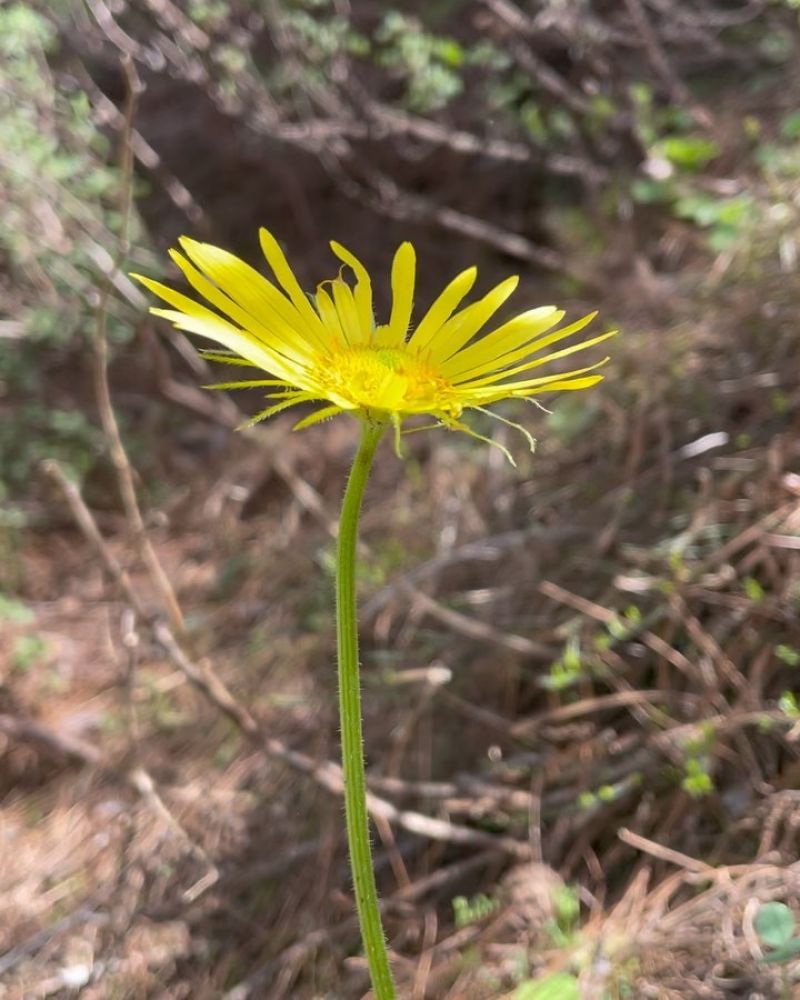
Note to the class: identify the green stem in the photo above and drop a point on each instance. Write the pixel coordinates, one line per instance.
(355, 785)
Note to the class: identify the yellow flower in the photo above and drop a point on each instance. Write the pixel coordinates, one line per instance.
(327, 348)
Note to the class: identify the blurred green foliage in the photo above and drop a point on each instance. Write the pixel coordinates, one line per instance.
(429, 64)
(61, 197)
(27, 650)
(740, 216)
(567, 671)
(559, 986)
(788, 654)
(776, 927)
(14, 611)
(471, 911)
(697, 779)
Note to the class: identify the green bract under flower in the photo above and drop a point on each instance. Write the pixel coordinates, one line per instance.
(328, 349)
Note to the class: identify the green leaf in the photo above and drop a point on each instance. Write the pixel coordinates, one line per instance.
(567, 906)
(753, 589)
(788, 654)
(26, 651)
(559, 986)
(648, 191)
(789, 950)
(790, 125)
(775, 924)
(12, 610)
(450, 52)
(691, 152)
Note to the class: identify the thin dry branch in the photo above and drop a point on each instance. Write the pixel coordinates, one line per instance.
(517, 22)
(119, 456)
(474, 629)
(30, 731)
(676, 88)
(663, 853)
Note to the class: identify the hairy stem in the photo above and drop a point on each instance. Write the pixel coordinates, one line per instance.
(355, 789)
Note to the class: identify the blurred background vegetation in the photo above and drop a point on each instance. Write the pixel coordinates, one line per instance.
(585, 670)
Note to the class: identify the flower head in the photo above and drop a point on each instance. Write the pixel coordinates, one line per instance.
(328, 349)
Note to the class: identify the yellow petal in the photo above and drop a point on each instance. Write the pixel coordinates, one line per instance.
(176, 298)
(382, 336)
(329, 315)
(204, 319)
(464, 325)
(363, 289)
(554, 385)
(563, 386)
(283, 272)
(442, 308)
(248, 347)
(260, 319)
(251, 290)
(527, 349)
(403, 277)
(545, 359)
(489, 393)
(348, 314)
(484, 353)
